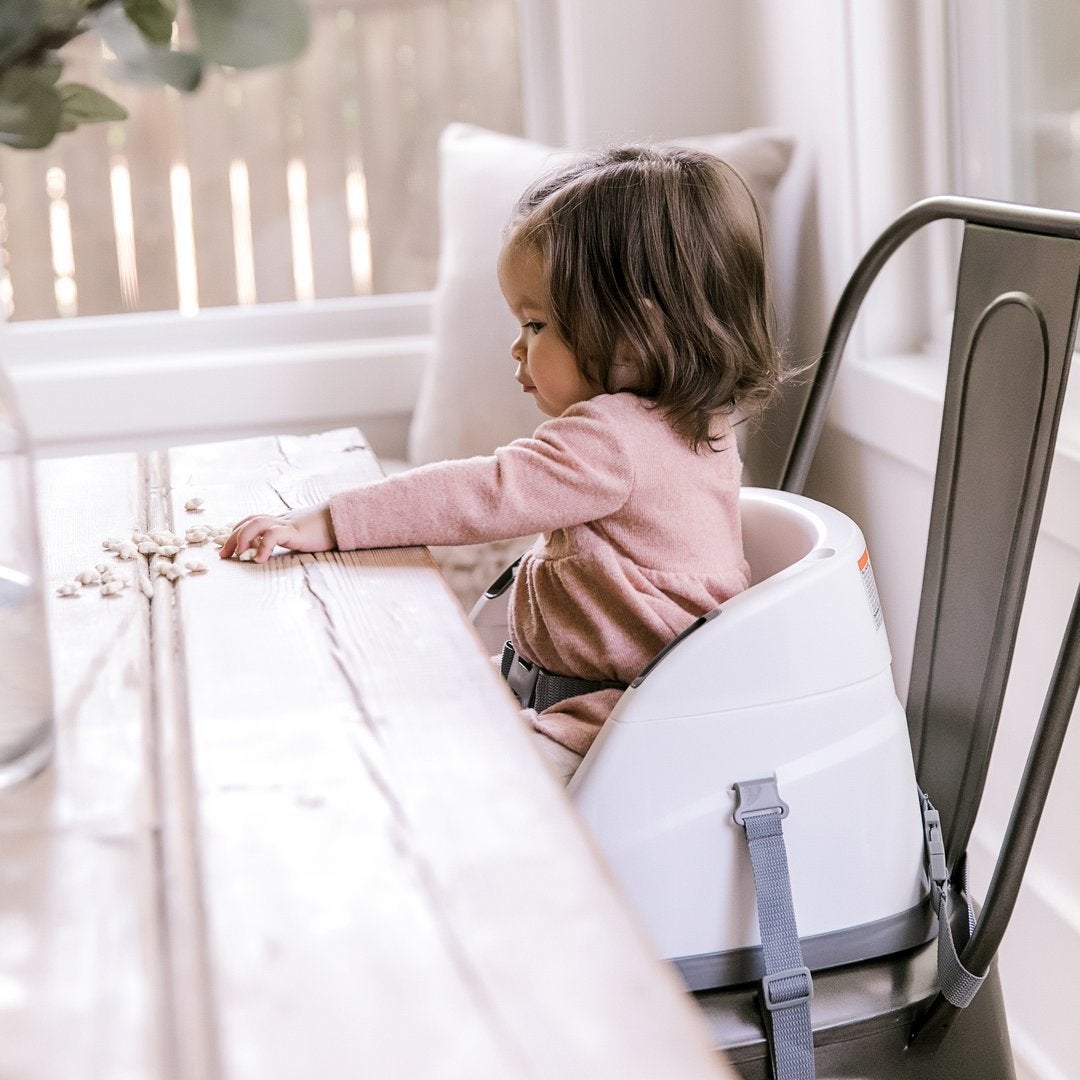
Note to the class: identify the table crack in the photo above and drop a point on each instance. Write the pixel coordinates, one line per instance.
(426, 876)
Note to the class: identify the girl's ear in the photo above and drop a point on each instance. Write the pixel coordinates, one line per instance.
(630, 368)
(625, 370)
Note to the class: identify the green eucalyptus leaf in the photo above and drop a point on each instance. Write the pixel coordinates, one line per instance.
(35, 105)
(62, 20)
(19, 20)
(50, 70)
(30, 108)
(251, 33)
(85, 105)
(154, 18)
(181, 70)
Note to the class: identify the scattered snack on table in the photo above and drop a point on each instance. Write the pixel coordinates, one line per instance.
(157, 553)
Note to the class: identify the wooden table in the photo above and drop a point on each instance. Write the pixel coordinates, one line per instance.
(293, 827)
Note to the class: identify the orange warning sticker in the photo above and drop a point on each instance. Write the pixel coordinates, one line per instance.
(870, 585)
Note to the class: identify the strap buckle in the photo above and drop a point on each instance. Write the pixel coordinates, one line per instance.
(522, 674)
(754, 797)
(522, 679)
(787, 997)
(935, 844)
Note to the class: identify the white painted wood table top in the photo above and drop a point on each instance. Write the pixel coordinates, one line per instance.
(294, 828)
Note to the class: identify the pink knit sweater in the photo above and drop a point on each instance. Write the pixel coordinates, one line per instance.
(641, 535)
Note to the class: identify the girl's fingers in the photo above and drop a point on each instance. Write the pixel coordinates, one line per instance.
(244, 535)
(310, 529)
(268, 539)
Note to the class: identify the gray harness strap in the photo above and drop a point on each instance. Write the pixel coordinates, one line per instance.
(538, 689)
(958, 985)
(787, 987)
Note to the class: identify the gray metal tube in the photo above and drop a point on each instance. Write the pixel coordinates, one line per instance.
(944, 207)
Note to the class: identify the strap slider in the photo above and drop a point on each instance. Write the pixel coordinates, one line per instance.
(935, 844)
(504, 580)
(753, 797)
(787, 997)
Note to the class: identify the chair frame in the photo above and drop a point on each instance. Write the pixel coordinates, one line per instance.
(1014, 327)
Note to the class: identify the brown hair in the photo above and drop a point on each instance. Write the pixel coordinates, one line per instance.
(655, 259)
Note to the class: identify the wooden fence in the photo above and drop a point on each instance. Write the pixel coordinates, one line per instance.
(301, 182)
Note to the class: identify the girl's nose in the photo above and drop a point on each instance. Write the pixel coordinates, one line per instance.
(517, 347)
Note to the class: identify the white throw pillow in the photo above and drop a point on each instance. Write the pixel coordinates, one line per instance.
(469, 402)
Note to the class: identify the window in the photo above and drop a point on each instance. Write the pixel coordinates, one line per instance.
(311, 181)
(1016, 109)
(1016, 100)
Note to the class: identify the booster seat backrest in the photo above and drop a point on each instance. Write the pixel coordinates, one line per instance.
(779, 529)
(776, 531)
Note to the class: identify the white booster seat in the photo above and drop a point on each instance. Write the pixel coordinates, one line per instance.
(788, 683)
(791, 682)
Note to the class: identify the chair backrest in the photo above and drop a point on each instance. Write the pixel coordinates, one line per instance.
(1013, 334)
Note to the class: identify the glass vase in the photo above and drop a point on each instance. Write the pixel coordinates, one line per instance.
(26, 700)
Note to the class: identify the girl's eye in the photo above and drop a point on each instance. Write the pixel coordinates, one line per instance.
(534, 327)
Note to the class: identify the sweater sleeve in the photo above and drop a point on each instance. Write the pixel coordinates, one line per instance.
(575, 468)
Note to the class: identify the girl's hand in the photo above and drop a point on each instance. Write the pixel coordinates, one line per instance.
(307, 529)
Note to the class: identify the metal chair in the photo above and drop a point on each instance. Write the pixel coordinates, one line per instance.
(1012, 342)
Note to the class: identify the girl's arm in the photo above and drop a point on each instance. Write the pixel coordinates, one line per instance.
(576, 468)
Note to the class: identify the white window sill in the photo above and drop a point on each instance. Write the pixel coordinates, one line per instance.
(151, 380)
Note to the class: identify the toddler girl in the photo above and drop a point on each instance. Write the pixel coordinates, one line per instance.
(638, 279)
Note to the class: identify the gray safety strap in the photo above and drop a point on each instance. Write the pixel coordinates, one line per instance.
(958, 985)
(787, 986)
